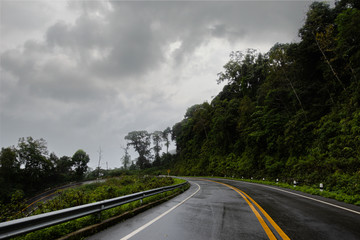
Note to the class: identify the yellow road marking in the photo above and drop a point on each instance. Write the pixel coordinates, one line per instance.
(35, 202)
(272, 222)
(257, 214)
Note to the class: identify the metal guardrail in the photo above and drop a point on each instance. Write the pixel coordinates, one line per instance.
(32, 223)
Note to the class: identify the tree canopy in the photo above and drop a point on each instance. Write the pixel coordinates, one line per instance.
(141, 141)
(29, 168)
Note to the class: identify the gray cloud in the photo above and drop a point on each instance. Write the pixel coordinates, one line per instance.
(30, 17)
(133, 34)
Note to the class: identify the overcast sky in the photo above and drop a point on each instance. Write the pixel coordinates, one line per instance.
(82, 74)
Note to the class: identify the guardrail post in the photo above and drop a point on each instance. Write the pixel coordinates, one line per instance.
(99, 214)
(141, 200)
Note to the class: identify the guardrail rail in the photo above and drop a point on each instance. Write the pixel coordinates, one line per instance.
(29, 224)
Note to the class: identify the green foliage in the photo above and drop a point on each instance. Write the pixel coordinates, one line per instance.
(113, 187)
(9, 170)
(291, 113)
(28, 169)
(314, 189)
(10, 210)
(80, 160)
(348, 36)
(33, 155)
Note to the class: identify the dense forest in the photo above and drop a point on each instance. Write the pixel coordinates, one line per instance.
(292, 113)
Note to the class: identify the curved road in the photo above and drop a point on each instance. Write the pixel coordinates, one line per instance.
(32, 203)
(228, 209)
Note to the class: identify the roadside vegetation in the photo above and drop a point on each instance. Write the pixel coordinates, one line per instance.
(94, 192)
(89, 193)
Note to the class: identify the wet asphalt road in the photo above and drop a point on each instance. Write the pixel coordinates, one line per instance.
(210, 210)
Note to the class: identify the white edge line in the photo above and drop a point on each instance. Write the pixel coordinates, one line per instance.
(296, 194)
(317, 200)
(160, 216)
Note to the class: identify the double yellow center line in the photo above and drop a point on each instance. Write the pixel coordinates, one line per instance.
(250, 202)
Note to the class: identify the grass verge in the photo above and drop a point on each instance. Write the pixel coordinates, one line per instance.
(337, 195)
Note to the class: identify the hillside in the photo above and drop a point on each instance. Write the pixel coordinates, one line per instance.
(292, 113)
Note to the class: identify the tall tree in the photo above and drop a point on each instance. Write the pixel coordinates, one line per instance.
(157, 139)
(140, 140)
(165, 136)
(9, 172)
(33, 156)
(9, 164)
(280, 63)
(244, 73)
(348, 36)
(80, 160)
(63, 168)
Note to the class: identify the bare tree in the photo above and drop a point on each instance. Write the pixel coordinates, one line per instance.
(126, 159)
(100, 156)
